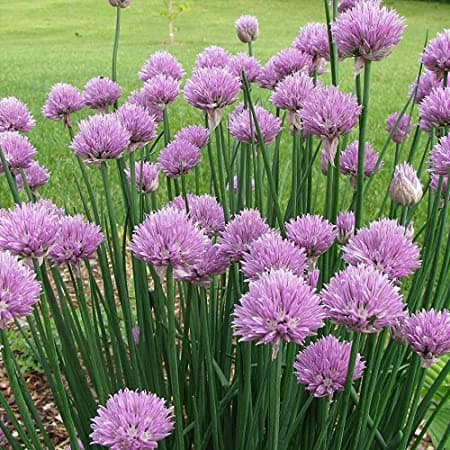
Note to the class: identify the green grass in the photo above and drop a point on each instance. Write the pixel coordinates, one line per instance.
(48, 41)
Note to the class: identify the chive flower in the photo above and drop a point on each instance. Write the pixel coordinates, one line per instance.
(100, 93)
(344, 5)
(426, 83)
(15, 116)
(247, 28)
(138, 98)
(17, 151)
(35, 175)
(162, 63)
(248, 64)
(146, 176)
(434, 110)
(291, 60)
(405, 188)
(440, 157)
(120, 3)
(345, 226)
(179, 158)
(436, 56)
(160, 91)
(404, 127)
(194, 134)
(313, 40)
(63, 100)
(213, 56)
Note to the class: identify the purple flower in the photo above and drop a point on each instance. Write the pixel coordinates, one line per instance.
(348, 164)
(329, 113)
(428, 333)
(205, 211)
(405, 188)
(268, 78)
(138, 98)
(435, 109)
(271, 251)
(440, 157)
(211, 89)
(383, 245)
(313, 40)
(211, 57)
(17, 150)
(29, 230)
(160, 91)
(245, 228)
(19, 289)
(169, 237)
(146, 175)
(139, 123)
(436, 56)
(179, 158)
(120, 3)
(291, 93)
(247, 28)
(247, 64)
(76, 241)
(36, 176)
(313, 233)
(15, 116)
(345, 225)
(101, 137)
(427, 82)
(290, 60)
(278, 307)
(162, 63)
(404, 127)
(132, 420)
(344, 5)
(312, 278)
(242, 126)
(363, 299)
(368, 32)
(322, 367)
(100, 93)
(435, 184)
(196, 135)
(62, 100)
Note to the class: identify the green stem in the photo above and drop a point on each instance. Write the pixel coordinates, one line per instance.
(275, 399)
(116, 45)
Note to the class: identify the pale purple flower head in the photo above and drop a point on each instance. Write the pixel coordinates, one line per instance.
(63, 100)
(101, 137)
(385, 246)
(291, 93)
(278, 307)
(435, 184)
(211, 90)
(247, 28)
(436, 56)
(368, 32)
(435, 109)
(313, 233)
(440, 157)
(100, 93)
(15, 116)
(162, 63)
(345, 226)
(146, 175)
(36, 176)
(405, 188)
(160, 91)
(344, 5)
(139, 123)
(195, 134)
(138, 98)
(179, 158)
(120, 3)
(427, 82)
(271, 251)
(348, 164)
(329, 113)
(17, 150)
(313, 39)
(204, 210)
(242, 125)
(291, 60)
(245, 228)
(213, 263)
(322, 367)
(248, 64)
(169, 237)
(213, 56)
(29, 230)
(312, 278)
(363, 299)
(76, 241)
(133, 420)
(19, 289)
(428, 333)
(404, 127)
(268, 78)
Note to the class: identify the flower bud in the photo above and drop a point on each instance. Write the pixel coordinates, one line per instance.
(406, 188)
(247, 28)
(345, 224)
(120, 3)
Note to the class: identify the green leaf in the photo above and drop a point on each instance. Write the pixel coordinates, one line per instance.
(439, 425)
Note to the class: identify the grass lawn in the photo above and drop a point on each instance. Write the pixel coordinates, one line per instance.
(48, 41)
